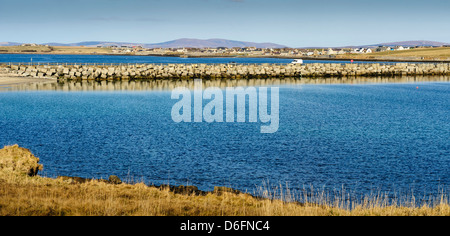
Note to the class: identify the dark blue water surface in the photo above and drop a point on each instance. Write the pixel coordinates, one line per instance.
(362, 137)
(27, 58)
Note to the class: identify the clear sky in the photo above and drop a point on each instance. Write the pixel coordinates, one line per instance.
(295, 23)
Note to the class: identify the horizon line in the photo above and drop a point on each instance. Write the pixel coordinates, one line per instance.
(233, 40)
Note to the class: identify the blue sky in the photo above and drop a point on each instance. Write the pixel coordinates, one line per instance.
(295, 23)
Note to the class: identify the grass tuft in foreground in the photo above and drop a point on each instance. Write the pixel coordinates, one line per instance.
(19, 161)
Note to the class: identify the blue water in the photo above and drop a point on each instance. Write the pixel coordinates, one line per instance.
(362, 137)
(24, 58)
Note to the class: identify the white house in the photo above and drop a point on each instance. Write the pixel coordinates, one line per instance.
(383, 49)
(330, 51)
(359, 50)
(29, 45)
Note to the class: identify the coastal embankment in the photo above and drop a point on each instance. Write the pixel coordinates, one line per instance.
(218, 71)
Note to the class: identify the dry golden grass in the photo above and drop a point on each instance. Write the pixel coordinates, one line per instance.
(21, 195)
(15, 160)
(25, 49)
(442, 53)
(81, 50)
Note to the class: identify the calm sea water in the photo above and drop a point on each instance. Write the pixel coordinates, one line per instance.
(24, 58)
(363, 137)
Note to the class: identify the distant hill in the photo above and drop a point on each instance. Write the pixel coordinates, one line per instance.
(410, 44)
(9, 44)
(95, 44)
(180, 43)
(214, 43)
(211, 43)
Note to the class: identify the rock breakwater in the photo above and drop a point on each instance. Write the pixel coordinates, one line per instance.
(218, 71)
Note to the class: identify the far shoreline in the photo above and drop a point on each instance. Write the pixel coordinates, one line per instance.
(235, 56)
(17, 80)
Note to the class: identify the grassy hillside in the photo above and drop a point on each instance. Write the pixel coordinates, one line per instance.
(25, 49)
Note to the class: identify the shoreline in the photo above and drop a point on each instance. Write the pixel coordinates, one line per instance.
(17, 80)
(24, 193)
(239, 56)
(38, 196)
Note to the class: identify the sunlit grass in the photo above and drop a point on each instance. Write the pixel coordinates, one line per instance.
(442, 53)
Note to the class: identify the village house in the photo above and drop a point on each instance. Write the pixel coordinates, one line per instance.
(383, 49)
(248, 49)
(347, 50)
(193, 49)
(258, 51)
(181, 50)
(359, 50)
(330, 51)
(211, 50)
(29, 45)
(339, 51)
(276, 51)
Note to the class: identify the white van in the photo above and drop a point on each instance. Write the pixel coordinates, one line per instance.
(297, 61)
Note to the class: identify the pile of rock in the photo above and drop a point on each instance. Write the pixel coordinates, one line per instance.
(221, 71)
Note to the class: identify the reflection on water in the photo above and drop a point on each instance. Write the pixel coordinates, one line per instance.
(167, 85)
(365, 139)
